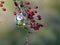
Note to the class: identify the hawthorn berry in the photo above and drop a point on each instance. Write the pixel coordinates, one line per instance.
(31, 25)
(2, 2)
(35, 11)
(27, 3)
(30, 17)
(1, 5)
(19, 11)
(28, 10)
(4, 9)
(35, 7)
(39, 17)
(21, 5)
(36, 27)
(40, 25)
(29, 7)
(32, 20)
(15, 13)
(31, 12)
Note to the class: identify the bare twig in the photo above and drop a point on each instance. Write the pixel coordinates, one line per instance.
(27, 39)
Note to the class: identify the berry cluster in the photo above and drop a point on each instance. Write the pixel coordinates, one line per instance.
(30, 14)
(1, 5)
(36, 26)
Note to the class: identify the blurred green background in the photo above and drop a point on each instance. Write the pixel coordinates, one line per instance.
(47, 35)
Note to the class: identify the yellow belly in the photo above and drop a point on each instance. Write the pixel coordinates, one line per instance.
(20, 23)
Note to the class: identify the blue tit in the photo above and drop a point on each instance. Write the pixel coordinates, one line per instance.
(20, 19)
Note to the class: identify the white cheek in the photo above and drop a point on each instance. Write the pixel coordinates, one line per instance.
(18, 18)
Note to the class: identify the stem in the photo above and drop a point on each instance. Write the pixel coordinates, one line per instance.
(27, 39)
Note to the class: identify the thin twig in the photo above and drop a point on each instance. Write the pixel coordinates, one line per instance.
(27, 39)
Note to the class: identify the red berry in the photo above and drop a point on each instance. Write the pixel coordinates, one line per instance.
(14, 13)
(1, 5)
(31, 25)
(32, 20)
(31, 12)
(21, 5)
(36, 27)
(30, 17)
(28, 10)
(19, 11)
(27, 3)
(36, 7)
(29, 7)
(39, 17)
(40, 25)
(4, 9)
(2, 2)
(35, 11)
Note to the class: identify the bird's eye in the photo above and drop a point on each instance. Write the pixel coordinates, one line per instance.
(19, 17)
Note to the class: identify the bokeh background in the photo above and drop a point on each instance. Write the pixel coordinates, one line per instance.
(47, 35)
